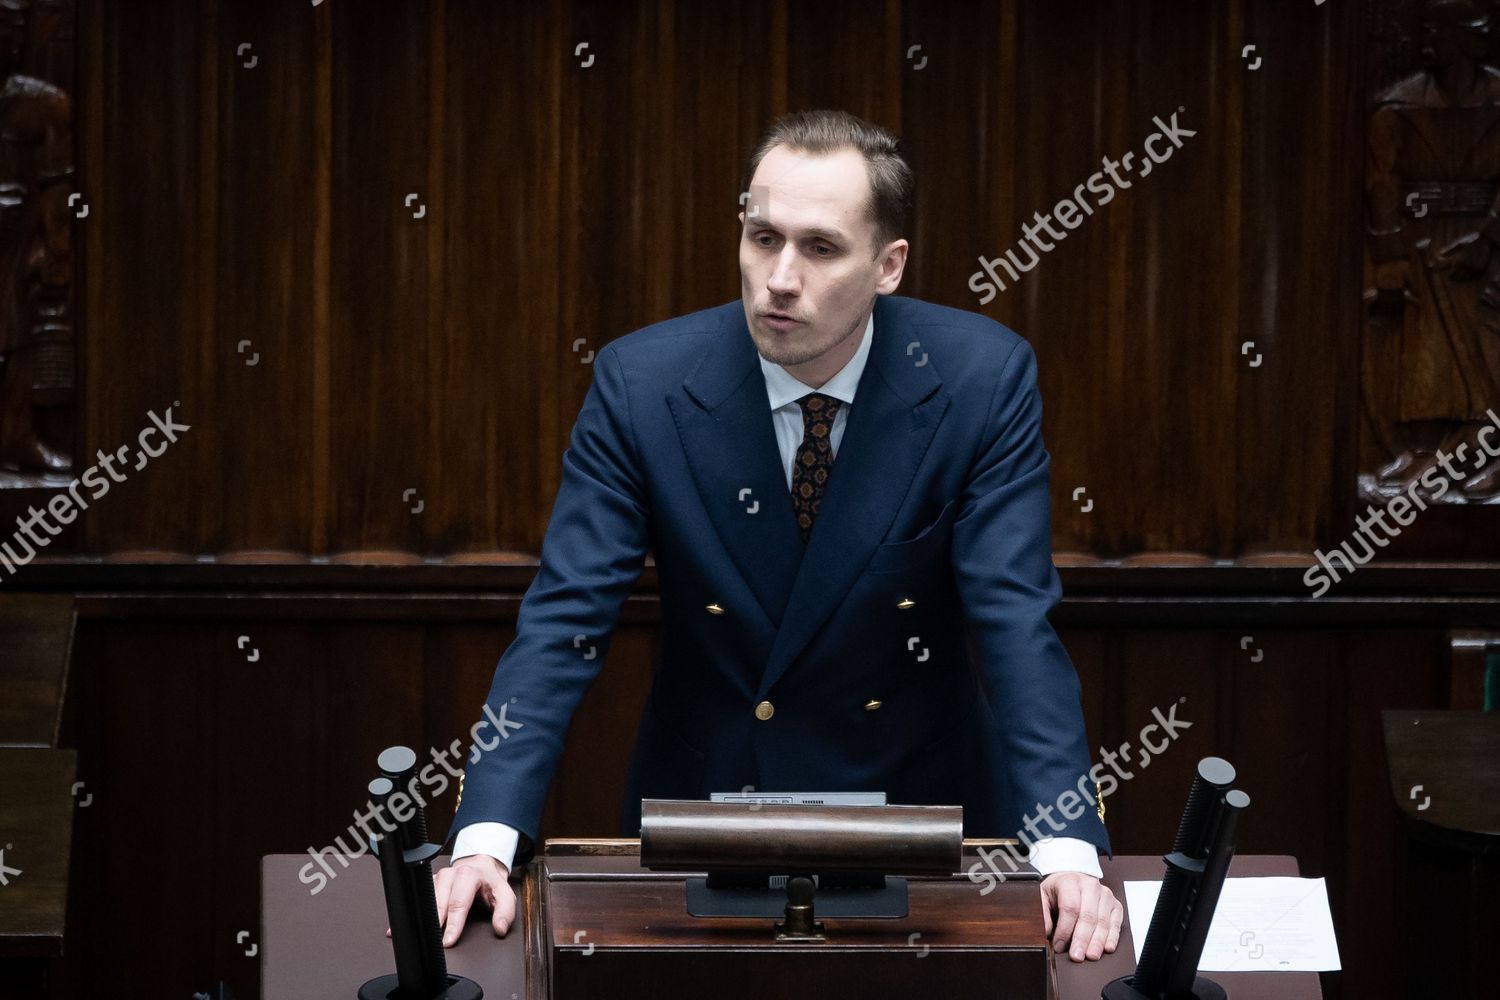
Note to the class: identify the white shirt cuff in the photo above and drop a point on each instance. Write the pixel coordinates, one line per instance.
(495, 839)
(1060, 854)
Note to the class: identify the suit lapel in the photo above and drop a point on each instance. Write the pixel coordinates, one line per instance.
(896, 410)
(724, 421)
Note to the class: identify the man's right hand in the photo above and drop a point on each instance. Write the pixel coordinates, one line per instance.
(458, 884)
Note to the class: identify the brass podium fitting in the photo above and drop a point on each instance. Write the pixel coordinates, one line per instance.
(800, 923)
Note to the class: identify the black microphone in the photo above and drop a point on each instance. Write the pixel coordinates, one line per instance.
(400, 842)
(1190, 888)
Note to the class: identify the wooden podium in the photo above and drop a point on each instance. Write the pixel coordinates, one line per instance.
(595, 893)
(618, 930)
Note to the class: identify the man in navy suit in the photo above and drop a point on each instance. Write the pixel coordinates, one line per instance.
(884, 629)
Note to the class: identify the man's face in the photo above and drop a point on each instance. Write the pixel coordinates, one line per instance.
(808, 270)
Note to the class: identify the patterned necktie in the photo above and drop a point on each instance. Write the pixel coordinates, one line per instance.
(814, 459)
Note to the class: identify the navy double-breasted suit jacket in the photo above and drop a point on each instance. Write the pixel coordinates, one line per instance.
(925, 585)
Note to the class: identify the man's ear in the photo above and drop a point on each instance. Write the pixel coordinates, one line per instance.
(742, 218)
(892, 265)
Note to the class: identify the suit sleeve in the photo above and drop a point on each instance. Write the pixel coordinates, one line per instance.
(1002, 562)
(592, 553)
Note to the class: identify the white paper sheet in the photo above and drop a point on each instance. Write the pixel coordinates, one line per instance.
(1277, 924)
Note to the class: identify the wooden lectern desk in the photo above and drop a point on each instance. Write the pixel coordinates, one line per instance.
(592, 923)
(617, 930)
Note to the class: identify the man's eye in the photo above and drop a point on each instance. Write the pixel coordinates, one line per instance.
(820, 248)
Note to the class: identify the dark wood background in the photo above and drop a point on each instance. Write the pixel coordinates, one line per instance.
(245, 213)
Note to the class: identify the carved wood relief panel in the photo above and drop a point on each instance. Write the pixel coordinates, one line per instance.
(1431, 363)
(37, 215)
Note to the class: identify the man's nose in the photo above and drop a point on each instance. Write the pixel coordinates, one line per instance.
(784, 278)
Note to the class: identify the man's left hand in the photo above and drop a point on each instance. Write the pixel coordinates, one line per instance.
(1088, 915)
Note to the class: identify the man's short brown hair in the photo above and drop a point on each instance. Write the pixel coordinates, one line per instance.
(822, 131)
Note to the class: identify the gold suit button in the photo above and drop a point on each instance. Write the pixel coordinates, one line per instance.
(764, 711)
(873, 704)
(905, 603)
(714, 609)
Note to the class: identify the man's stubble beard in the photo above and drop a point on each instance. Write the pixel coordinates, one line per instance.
(799, 358)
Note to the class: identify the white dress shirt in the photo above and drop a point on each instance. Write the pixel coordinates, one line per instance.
(1050, 854)
(784, 389)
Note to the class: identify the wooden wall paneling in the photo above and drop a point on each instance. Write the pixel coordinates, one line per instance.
(1160, 669)
(1283, 737)
(366, 694)
(267, 715)
(320, 421)
(1297, 274)
(842, 54)
(959, 150)
(88, 131)
(1070, 306)
(142, 715)
(1367, 841)
(146, 258)
(200, 760)
(267, 164)
(600, 120)
(495, 373)
(373, 698)
(729, 51)
(438, 354)
(617, 215)
(1183, 280)
(651, 179)
(380, 321)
